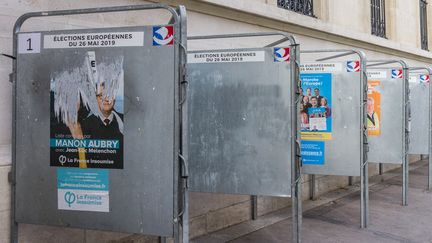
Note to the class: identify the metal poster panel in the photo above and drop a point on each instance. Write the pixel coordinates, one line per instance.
(420, 124)
(330, 118)
(239, 121)
(95, 129)
(384, 115)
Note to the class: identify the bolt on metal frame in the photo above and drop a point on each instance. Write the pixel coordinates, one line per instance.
(364, 179)
(381, 64)
(178, 20)
(295, 155)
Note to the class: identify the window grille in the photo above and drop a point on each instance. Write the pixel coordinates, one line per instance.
(423, 25)
(378, 18)
(299, 6)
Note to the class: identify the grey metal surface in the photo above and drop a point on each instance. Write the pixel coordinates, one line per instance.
(420, 123)
(364, 173)
(184, 170)
(239, 129)
(419, 106)
(141, 194)
(296, 173)
(343, 153)
(388, 146)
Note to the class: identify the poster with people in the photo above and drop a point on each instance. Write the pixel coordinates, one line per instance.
(374, 108)
(86, 101)
(316, 106)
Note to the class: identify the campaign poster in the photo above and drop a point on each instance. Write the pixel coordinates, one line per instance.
(374, 108)
(312, 152)
(316, 106)
(86, 129)
(83, 189)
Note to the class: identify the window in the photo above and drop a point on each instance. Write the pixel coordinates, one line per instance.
(423, 25)
(378, 18)
(300, 6)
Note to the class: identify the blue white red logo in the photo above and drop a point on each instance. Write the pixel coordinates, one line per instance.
(353, 66)
(163, 36)
(281, 54)
(424, 78)
(396, 73)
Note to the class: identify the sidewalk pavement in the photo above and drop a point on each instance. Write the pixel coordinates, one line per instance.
(339, 220)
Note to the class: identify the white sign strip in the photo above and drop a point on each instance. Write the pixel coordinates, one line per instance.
(376, 74)
(83, 200)
(413, 79)
(321, 67)
(231, 56)
(29, 43)
(85, 40)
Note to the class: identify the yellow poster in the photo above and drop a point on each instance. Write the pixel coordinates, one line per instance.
(374, 108)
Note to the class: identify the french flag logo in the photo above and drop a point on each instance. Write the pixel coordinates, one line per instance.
(353, 66)
(163, 36)
(396, 73)
(281, 54)
(424, 78)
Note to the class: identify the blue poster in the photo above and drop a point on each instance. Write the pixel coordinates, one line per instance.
(316, 106)
(83, 189)
(312, 152)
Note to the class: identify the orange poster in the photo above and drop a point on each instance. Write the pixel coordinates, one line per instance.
(374, 108)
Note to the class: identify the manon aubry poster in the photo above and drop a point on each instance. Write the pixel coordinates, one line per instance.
(87, 112)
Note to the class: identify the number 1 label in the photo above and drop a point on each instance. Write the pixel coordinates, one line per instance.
(29, 43)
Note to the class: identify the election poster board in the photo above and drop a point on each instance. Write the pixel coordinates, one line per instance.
(239, 135)
(330, 117)
(419, 84)
(96, 128)
(385, 113)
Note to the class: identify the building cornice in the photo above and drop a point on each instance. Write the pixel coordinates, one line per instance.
(279, 19)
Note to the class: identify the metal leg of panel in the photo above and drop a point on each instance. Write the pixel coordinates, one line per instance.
(380, 169)
(297, 214)
(405, 175)
(430, 173)
(14, 232)
(254, 202)
(296, 193)
(364, 168)
(185, 218)
(162, 239)
(312, 192)
(350, 180)
(13, 223)
(364, 201)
